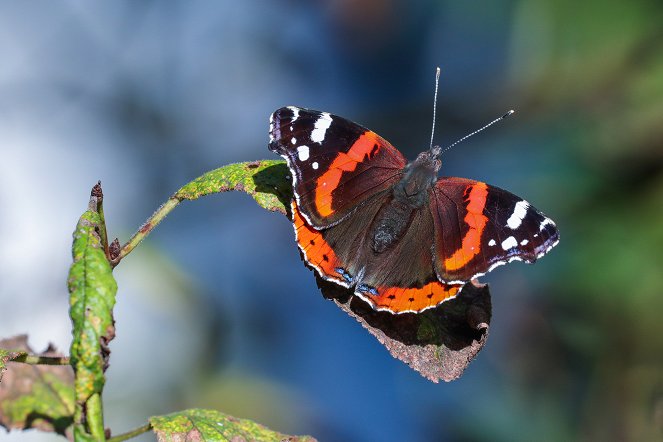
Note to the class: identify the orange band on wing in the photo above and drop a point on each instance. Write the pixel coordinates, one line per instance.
(317, 251)
(399, 299)
(477, 221)
(319, 254)
(344, 162)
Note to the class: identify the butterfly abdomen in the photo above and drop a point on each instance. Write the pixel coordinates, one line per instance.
(390, 224)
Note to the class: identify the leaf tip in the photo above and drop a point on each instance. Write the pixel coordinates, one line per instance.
(97, 192)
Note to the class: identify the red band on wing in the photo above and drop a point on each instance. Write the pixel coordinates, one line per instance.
(399, 299)
(344, 162)
(476, 220)
(317, 251)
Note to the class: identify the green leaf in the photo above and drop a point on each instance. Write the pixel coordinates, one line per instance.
(266, 181)
(210, 425)
(92, 291)
(34, 396)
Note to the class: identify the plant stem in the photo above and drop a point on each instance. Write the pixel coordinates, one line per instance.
(147, 227)
(130, 434)
(95, 417)
(43, 360)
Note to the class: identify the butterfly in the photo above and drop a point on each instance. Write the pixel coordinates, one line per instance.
(401, 238)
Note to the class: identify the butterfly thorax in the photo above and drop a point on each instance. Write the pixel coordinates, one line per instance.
(409, 194)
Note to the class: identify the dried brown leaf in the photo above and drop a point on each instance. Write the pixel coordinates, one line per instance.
(439, 343)
(36, 396)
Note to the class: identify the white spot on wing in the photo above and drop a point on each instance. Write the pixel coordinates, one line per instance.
(293, 140)
(491, 242)
(524, 242)
(295, 113)
(315, 165)
(320, 128)
(518, 214)
(271, 128)
(509, 243)
(302, 153)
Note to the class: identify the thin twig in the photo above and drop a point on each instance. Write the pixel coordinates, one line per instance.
(146, 228)
(130, 434)
(43, 360)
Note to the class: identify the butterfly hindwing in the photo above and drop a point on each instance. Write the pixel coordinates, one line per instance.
(479, 227)
(334, 251)
(336, 164)
(400, 279)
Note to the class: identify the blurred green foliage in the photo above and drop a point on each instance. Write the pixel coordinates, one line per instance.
(592, 73)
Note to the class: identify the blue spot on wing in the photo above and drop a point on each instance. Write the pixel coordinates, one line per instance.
(347, 276)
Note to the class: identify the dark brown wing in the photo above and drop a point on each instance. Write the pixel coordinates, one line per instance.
(399, 280)
(479, 227)
(402, 278)
(336, 165)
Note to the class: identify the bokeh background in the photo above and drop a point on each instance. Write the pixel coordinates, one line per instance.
(216, 310)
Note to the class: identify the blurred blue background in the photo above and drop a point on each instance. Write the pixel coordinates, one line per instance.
(216, 309)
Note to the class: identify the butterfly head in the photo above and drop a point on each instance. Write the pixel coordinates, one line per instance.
(428, 160)
(435, 151)
(419, 176)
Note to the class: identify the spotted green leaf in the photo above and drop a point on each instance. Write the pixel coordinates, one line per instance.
(210, 425)
(266, 181)
(92, 297)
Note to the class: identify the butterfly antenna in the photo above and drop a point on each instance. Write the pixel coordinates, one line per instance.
(437, 82)
(478, 130)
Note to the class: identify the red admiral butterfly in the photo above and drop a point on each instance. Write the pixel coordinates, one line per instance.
(401, 238)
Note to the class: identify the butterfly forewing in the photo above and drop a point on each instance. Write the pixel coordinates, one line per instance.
(336, 164)
(479, 227)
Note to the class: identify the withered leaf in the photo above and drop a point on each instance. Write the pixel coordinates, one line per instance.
(35, 396)
(439, 343)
